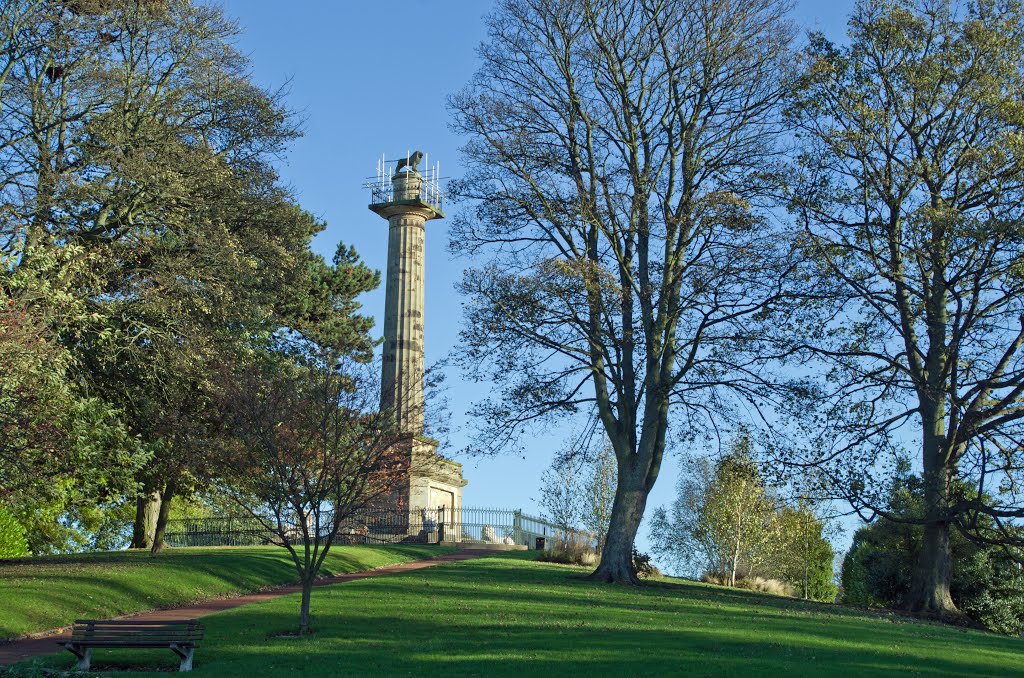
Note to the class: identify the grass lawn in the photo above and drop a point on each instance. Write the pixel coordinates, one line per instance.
(505, 615)
(44, 593)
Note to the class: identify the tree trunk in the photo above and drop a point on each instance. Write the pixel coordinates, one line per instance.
(307, 590)
(735, 564)
(628, 510)
(147, 508)
(929, 589)
(165, 509)
(929, 585)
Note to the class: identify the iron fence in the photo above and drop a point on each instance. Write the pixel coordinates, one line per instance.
(221, 531)
(464, 526)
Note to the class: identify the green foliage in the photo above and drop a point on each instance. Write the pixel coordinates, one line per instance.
(727, 524)
(579, 494)
(723, 518)
(12, 536)
(600, 493)
(213, 502)
(62, 453)
(986, 583)
(561, 499)
(642, 564)
(804, 557)
(907, 199)
(821, 574)
(141, 214)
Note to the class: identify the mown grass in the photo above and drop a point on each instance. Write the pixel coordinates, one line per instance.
(503, 615)
(45, 593)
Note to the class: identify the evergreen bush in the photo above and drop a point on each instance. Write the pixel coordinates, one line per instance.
(986, 585)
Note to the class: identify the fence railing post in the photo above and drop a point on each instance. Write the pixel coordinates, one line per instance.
(440, 524)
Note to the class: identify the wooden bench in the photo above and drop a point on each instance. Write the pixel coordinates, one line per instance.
(179, 636)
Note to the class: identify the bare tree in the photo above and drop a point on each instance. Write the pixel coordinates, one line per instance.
(577, 492)
(561, 496)
(618, 154)
(910, 200)
(315, 450)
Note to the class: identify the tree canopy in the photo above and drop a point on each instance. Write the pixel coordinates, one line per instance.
(908, 196)
(148, 248)
(618, 155)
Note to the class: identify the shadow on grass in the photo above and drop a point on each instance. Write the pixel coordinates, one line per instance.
(497, 616)
(395, 644)
(54, 592)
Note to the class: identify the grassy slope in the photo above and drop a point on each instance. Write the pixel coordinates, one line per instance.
(503, 616)
(41, 594)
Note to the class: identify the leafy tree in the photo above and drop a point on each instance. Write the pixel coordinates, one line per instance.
(723, 519)
(137, 151)
(599, 494)
(618, 155)
(804, 557)
(909, 196)
(314, 450)
(577, 493)
(62, 452)
(726, 521)
(879, 567)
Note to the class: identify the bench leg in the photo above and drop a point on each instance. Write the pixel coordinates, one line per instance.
(186, 656)
(84, 656)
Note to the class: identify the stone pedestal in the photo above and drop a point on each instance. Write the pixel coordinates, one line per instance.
(435, 484)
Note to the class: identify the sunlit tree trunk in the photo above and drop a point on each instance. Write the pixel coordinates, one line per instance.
(147, 509)
(166, 496)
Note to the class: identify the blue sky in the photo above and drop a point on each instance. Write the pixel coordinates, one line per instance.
(371, 78)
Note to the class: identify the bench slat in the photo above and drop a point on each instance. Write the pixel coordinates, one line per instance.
(141, 632)
(89, 639)
(114, 643)
(90, 631)
(139, 635)
(136, 623)
(160, 641)
(138, 629)
(133, 627)
(144, 632)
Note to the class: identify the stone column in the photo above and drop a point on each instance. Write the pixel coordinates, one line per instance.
(433, 481)
(402, 377)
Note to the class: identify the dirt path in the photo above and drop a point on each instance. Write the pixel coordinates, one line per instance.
(20, 650)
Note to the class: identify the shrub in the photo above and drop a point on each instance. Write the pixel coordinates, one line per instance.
(645, 569)
(773, 587)
(986, 584)
(570, 549)
(12, 536)
(716, 578)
